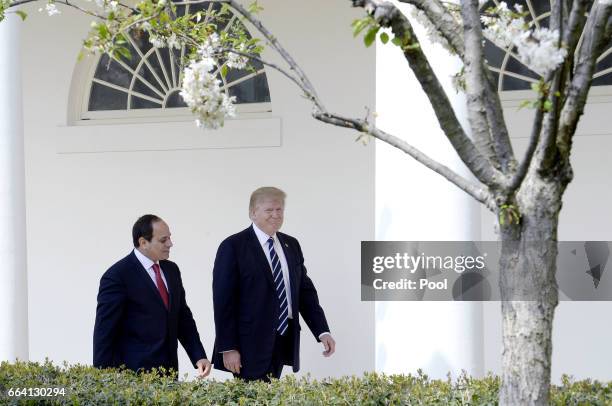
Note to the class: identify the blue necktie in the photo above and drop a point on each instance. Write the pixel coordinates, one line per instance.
(279, 282)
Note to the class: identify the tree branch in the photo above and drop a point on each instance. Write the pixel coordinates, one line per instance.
(548, 149)
(279, 48)
(477, 192)
(443, 21)
(387, 15)
(571, 37)
(450, 29)
(320, 113)
(69, 4)
(497, 125)
(475, 80)
(270, 64)
(596, 37)
(534, 139)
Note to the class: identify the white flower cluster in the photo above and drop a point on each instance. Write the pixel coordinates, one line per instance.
(237, 61)
(432, 32)
(210, 46)
(537, 48)
(160, 41)
(202, 92)
(51, 9)
(107, 5)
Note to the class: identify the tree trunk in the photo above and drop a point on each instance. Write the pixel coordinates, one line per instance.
(529, 293)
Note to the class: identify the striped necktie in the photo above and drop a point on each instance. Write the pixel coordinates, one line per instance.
(279, 283)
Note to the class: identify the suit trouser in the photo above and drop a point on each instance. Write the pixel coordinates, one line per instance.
(282, 354)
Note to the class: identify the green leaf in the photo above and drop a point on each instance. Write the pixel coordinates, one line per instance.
(396, 41)
(124, 52)
(254, 8)
(359, 25)
(224, 71)
(21, 14)
(370, 37)
(384, 37)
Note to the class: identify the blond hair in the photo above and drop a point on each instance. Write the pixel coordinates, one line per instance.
(260, 194)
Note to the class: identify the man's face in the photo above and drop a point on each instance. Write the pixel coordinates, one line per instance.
(159, 246)
(268, 215)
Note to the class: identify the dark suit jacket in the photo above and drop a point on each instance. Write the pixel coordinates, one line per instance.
(246, 307)
(133, 327)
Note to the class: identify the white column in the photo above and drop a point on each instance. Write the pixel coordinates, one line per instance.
(13, 278)
(416, 204)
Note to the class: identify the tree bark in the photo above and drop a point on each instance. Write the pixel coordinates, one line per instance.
(529, 292)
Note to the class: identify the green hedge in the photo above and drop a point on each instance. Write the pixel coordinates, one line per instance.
(89, 386)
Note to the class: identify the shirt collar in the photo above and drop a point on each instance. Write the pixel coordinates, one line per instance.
(261, 236)
(144, 260)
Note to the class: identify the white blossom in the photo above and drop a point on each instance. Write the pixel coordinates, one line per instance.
(432, 32)
(162, 41)
(537, 48)
(201, 90)
(173, 42)
(237, 61)
(51, 9)
(210, 46)
(157, 41)
(112, 6)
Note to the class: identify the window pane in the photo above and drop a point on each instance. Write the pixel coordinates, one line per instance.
(606, 79)
(175, 100)
(113, 73)
(157, 73)
(254, 90)
(105, 98)
(138, 103)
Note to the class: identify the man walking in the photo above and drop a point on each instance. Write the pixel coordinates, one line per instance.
(142, 312)
(260, 289)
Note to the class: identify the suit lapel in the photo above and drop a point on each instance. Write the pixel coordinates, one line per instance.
(146, 279)
(260, 258)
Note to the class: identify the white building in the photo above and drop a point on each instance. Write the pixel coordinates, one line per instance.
(74, 179)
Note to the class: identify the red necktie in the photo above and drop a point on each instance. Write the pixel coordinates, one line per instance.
(163, 292)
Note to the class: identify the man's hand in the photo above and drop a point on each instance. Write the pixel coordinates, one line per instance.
(329, 344)
(231, 361)
(203, 368)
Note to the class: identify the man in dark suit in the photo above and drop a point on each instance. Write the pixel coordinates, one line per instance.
(260, 288)
(142, 312)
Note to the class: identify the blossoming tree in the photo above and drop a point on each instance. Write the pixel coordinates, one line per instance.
(524, 192)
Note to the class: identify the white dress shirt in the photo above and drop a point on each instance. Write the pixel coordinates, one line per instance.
(147, 264)
(263, 241)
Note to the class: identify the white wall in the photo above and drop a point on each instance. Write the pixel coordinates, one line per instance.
(582, 331)
(81, 206)
(13, 277)
(415, 204)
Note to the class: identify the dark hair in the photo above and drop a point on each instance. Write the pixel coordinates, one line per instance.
(143, 227)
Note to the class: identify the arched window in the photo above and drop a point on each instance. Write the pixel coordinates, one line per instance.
(151, 79)
(511, 74)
